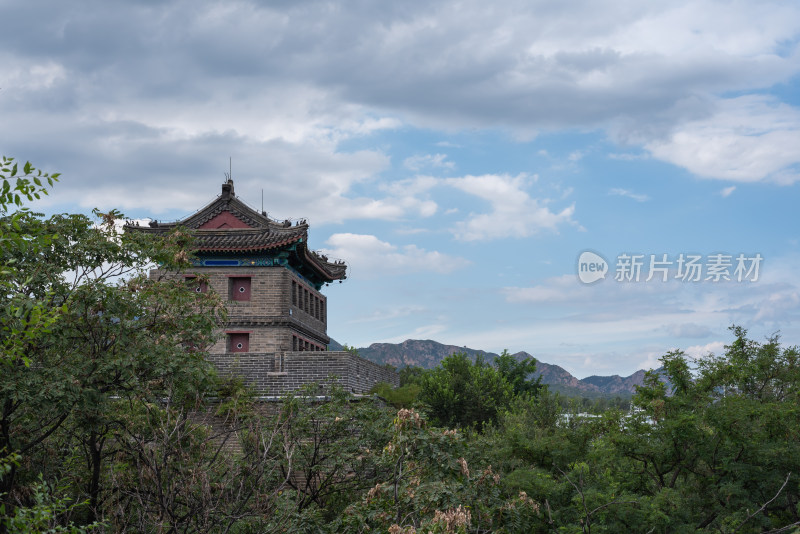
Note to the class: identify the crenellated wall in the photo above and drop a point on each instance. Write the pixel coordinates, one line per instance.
(280, 373)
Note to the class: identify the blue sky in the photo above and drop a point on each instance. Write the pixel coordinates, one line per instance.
(460, 156)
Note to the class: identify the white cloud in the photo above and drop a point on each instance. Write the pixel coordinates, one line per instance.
(19, 77)
(405, 230)
(428, 331)
(416, 163)
(690, 330)
(651, 360)
(744, 139)
(727, 191)
(155, 96)
(514, 212)
(389, 314)
(447, 144)
(638, 197)
(556, 289)
(701, 351)
(780, 305)
(370, 257)
(627, 156)
(650, 312)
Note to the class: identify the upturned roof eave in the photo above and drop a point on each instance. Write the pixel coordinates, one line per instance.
(327, 270)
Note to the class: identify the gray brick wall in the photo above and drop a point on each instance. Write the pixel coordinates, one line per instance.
(273, 374)
(281, 306)
(269, 315)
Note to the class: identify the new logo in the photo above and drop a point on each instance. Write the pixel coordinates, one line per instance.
(591, 267)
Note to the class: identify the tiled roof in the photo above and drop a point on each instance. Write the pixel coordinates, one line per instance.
(245, 240)
(264, 234)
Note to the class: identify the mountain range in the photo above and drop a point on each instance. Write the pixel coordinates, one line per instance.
(428, 354)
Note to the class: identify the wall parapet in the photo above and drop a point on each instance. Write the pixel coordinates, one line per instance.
(277, 373)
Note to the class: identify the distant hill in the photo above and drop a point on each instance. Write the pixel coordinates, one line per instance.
(616, 383)
(428, 354)
(421, 353)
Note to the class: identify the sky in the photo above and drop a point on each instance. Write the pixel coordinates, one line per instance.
(460, 156)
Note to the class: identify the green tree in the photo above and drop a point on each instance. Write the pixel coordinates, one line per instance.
(719, 451)
(519, 373)
(404, 396)
(436, 481)
(31, 316)
(461, 392)
(332, 444)
(411, 374)
(85, 332)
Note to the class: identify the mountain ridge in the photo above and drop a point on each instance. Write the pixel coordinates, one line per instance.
(427, 353)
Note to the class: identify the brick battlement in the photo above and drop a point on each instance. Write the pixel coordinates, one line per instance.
(280, 373)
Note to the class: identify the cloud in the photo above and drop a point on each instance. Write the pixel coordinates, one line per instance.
(516, 65)
(145, 170)
(369, 257)
(38, 76)
(780, 305)
(514, 212)
(688, 330)
(651, 360)
(156, 96)
(390, 314)
(745, 139)
(638, 197)
(655, 309)
(405, 230)
(416, 163)
(727, 191)
(627, 156)
(298, 179)
(428, 331)
(701, 351)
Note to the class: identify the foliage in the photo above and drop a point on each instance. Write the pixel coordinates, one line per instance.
(188, 469)
(85, 333)
(30, 316)
(724, 443)
(332, 444)
(42, 516)
(18, 186)
(461, 392)
(411, 374)
(518, 373)
(352, 350)
(431, 486)
(404, 396)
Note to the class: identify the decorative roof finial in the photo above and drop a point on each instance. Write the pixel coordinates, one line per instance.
(227, 187)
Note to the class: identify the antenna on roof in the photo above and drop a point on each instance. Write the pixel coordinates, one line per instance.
(229, 174)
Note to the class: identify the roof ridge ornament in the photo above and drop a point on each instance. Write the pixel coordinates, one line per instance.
(227, 186)
(227, 190)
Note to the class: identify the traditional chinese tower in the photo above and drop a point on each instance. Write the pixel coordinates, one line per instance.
(277, 317)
